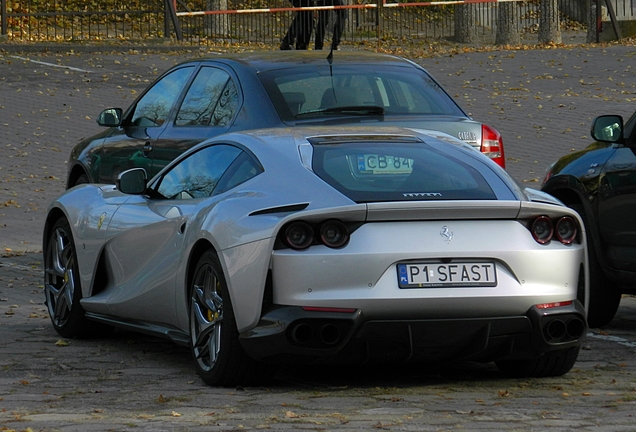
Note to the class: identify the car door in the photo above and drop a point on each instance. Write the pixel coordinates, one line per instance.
(617, 204)
(131, 144)
(208, 109)
(146, 235)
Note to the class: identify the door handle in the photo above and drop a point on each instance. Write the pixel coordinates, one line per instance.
(147, 148)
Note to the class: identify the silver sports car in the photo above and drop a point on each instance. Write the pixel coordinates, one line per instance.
(340, 245)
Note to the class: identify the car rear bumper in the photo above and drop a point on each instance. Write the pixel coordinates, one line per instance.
(291, 334)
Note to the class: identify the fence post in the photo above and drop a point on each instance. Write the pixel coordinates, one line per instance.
(378, 20)
(3, 17)
(172, 13)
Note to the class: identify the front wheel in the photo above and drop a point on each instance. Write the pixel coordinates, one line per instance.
(62, 287)
(214, 338)
(551, 364)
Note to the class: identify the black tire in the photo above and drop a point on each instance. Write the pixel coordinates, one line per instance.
(551, 364)
(605, 295)
(82, 179)
(62, 287)
(214, 339)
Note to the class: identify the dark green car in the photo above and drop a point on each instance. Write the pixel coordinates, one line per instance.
(600, 183)
(208, 96)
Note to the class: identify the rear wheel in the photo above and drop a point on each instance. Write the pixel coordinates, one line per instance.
(61, 284)
(605, 295)
(218, 355)
(551, 364)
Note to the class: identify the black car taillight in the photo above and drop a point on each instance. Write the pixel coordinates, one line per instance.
(542, 229)
(566, 230)
(298, 235)
(334, 234)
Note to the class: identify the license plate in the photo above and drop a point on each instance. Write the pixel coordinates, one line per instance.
(433, 275)
(384, 164)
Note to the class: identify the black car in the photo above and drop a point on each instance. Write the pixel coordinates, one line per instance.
(205, 97)
(600, 183)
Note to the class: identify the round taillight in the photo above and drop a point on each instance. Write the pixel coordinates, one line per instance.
(334, 234)
(542, 229)
(566, 230)
(298, 235)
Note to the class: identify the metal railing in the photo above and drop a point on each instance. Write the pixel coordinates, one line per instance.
(200, 22)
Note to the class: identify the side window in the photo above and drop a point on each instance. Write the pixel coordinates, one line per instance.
(211, 100)
(227, 106)
(154, 106)
(198, 175)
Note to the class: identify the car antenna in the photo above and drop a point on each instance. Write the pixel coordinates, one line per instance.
(330, 60)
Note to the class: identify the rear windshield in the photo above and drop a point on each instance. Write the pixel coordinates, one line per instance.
(316, 91)
(373, 172)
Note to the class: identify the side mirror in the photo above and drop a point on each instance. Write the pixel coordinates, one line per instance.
(607, 128)
(132, 181)
(110, 117)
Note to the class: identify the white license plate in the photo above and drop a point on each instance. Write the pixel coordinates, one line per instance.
(457, 274)
(384, 164)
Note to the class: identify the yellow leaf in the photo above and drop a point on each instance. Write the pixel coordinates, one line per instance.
(62, 342)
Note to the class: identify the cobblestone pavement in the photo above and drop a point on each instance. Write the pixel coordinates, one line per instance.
(542, 101)
(129, 382)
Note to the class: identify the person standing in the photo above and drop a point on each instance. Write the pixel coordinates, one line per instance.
(323, 18)
(300, 29)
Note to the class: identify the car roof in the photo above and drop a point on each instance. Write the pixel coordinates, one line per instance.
(275, 146)
(269, 60)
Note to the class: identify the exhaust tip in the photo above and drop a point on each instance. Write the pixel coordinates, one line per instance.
(329, 334)
(575, 328)
(555, 330)
(302, 333)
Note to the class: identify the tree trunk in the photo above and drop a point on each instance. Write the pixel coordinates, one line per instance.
(507, 24)
(217, 24)
(465, 23)
(549, 26)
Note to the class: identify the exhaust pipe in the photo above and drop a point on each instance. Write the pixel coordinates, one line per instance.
(575, 328)
(329, 334)
(302, 333)
(555, 329)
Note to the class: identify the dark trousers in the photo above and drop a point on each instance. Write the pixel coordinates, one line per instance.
(300, 29)
(323, 18)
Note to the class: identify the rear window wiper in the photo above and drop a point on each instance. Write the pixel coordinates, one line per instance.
(362, 110)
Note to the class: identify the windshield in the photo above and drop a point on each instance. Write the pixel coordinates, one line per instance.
(318, 91)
